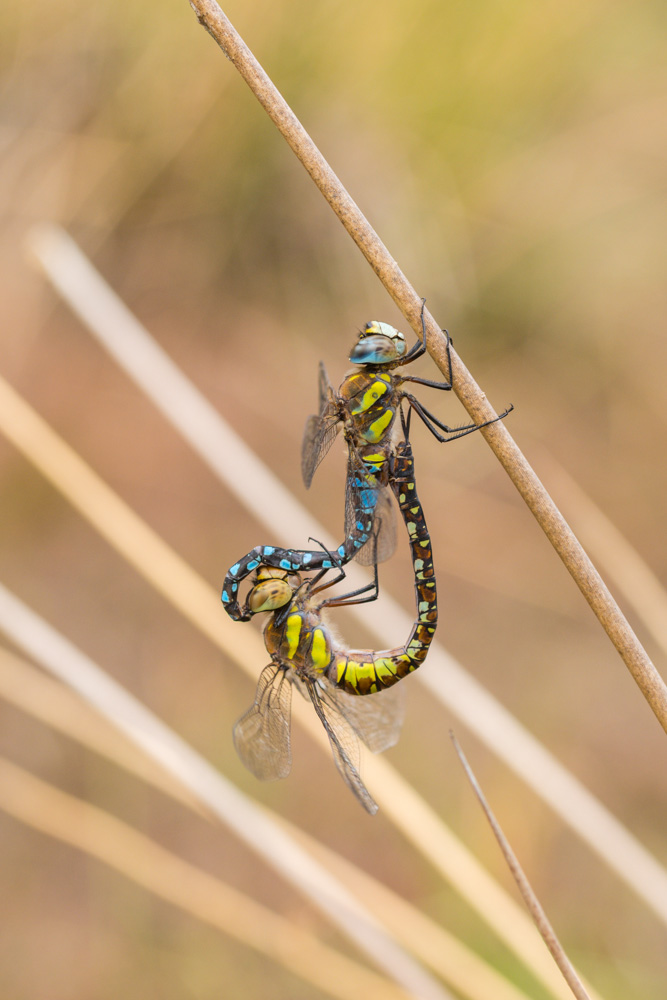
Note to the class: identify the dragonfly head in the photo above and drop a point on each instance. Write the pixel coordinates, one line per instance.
(273, 589)
(378, 344)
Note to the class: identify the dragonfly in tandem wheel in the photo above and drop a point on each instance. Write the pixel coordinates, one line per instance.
(366, 407)
(305, 654)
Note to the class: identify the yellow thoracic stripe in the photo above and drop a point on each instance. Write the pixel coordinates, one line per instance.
(319, 650)
(371, 396)
(379, 426)
(293, 634)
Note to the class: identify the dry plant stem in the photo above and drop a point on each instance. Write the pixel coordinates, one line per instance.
(404, 295)
(524, 886)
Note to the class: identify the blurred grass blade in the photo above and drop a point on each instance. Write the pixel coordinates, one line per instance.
(123, 336)
(143, 548)
(128, 342)
(103, 836)
(526, 890)
(228, 804)
(630, 574)
(57, 706)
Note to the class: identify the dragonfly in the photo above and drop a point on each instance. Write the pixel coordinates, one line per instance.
(366, 406)
(305, 654)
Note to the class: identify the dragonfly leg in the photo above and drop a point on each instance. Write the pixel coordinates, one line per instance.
(354, 597)
(419, 349)
(432, 422)
(405, 421)
(344, 598)
(427, 381)
(312, 583)
(446, 386)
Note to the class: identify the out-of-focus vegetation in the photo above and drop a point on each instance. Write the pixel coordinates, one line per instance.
(513, 157)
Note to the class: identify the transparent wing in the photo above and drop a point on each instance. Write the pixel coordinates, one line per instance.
(262, 735)
(384, 521)
(321, 430)
(376, 718)
(343, 741)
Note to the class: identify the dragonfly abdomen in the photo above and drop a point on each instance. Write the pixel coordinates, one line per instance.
(366, 671)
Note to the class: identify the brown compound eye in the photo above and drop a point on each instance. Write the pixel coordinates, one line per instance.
(269, 595)
(273, 573)
(270, 572)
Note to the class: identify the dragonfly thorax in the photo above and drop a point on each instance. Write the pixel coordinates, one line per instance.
(378, 344)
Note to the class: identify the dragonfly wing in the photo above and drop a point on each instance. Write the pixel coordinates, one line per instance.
(376, 718)
(319, 434)
(384, 523)
(343, 741)
(262, 735)
(321, 430)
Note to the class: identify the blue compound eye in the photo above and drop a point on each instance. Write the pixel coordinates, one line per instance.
(378, 344)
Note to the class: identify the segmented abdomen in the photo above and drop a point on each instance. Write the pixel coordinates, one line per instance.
(302, 642)
(365, 671)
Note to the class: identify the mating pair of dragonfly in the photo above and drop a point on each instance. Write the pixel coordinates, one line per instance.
(370, 406)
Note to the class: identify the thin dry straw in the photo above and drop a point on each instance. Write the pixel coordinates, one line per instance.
(440, 950)
(31, 690)
(497, 436)
(57, 706)
(136, 856)
(42, 642)
(191, 595)
(128, 342)
(530, 899)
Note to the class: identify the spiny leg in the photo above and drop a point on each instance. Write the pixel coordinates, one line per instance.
(419, 349)
(354, 596)
(429, 419)
(318, 576)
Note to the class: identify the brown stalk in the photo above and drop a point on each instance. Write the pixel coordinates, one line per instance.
(473, 399)
(534, 907)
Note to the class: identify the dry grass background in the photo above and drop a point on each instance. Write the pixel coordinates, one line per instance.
(513, 159)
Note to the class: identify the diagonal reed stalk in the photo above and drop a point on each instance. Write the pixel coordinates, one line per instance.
(128, 342)
(101, 835)
(173, 578)
(408, 301)
(56, 706)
